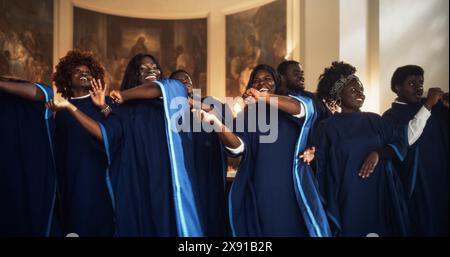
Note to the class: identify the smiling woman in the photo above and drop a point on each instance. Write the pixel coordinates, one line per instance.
(81, 165)
(74, 71)
(354, 153)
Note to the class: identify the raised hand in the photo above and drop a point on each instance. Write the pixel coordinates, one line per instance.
(369, 165)
(253, 92)
(444, 99)
(98, 93)
(58, 104)
(116, 96)
(433, 96)
(206, 117)
(308, 155)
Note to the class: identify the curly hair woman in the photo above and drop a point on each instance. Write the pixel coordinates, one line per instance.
(354, 151)
(80, 160)
(74, 72)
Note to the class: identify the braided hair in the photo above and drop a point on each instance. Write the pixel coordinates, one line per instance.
(328, 78)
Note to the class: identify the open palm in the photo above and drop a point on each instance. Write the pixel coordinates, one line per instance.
(98, 92)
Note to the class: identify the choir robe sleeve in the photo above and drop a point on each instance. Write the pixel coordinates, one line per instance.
(327, 177)
(27, 171)
(424, 172)
(395, 136)
(112, 133)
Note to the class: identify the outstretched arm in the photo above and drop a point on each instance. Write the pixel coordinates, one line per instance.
(145, 91)
(285, 103)
(27, 91)
(228, 138)
(87, 122)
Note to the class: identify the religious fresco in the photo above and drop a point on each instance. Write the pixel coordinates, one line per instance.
(26, 41)
(176, 44)
(253, 37)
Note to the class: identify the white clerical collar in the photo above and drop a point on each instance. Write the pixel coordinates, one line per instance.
(80, 97)
(398, 102)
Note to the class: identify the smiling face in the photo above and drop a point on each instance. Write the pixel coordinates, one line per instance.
(184, 78)
(295, 77)
(352, 96)
(263, 81)
(411, 90)
(81, 77)
(148, 71)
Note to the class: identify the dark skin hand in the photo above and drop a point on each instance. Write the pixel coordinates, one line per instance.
(89, 124)
(434, 95)
(308, 155)
(228, 138)
(369, 165)
(186, 80)
(148, 90)
(98, 93)
(444, 99)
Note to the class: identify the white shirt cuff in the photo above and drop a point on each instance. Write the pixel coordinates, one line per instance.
(302, 112)
(236, 151)
(423, 113)
(417, 125)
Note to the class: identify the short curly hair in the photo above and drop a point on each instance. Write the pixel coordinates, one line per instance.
(329, 77)
(63, 74)
(401, 73)
(284, 65)
(172, 75)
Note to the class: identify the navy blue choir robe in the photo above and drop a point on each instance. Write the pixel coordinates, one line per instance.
(81, 165)
(209, 173)
(274, 193)
(357, 206)
(321, 111)
(27, 171)
(150, 170)
(424, 171)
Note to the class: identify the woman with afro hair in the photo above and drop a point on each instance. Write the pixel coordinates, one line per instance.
(80, 160)
(354, 153)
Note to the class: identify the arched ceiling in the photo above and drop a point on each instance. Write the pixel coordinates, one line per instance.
(168, 9)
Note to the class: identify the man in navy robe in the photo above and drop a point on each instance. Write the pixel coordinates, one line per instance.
(424, 171)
